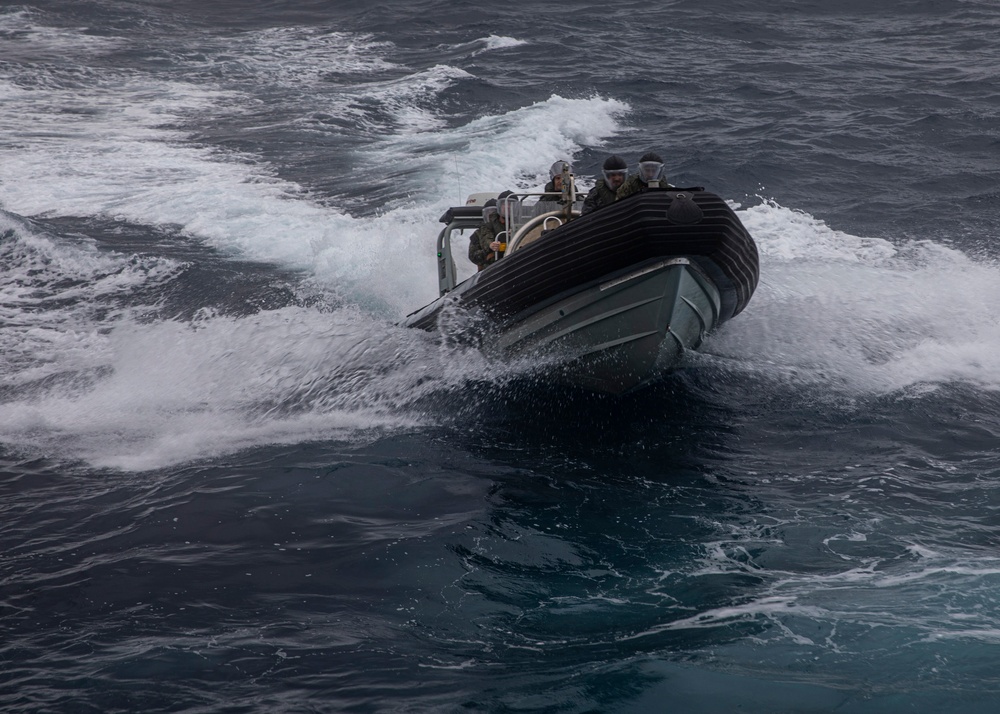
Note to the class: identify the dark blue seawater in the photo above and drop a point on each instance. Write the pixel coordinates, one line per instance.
(229, 482)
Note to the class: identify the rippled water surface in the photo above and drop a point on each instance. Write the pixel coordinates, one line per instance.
(230, 482)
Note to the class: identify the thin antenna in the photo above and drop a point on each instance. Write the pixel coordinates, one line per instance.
(458, 178)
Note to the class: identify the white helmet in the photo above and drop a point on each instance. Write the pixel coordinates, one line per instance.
(557, 168)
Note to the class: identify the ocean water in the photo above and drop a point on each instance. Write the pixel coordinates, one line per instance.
(229, 482)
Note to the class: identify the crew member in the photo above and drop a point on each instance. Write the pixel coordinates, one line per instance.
(555, 180)
(615, 171)
(650, 176)
(486, 244)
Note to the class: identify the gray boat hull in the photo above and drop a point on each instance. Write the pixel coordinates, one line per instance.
(621, 333)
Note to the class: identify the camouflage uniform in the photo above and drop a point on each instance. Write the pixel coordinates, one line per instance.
(634, 184)
(600, 196)
(479, 243)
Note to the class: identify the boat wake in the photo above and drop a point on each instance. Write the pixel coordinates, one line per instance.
(95, 373)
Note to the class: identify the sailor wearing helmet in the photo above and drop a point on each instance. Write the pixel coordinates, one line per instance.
(650, 175)
(555, 179)
(615, 171)
(489, 241)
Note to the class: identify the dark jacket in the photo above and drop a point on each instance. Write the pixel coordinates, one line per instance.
(551, 192)
(634, 184)
(599, 197)
(479, 243)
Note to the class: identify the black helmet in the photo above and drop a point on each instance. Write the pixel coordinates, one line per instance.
(615, 171)
(489, 209)
(614, 163)
(506, 202)
(650, 167)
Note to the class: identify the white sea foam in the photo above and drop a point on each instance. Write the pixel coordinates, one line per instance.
(178, 391)
(770, 607)
(511, 150)
(486, 44)
(847, 607)
(499, 42)
(292, 57)
(301, 54)
(51, 293)
(137, 394)
(22, 28)
(863, 315)
(410, 100)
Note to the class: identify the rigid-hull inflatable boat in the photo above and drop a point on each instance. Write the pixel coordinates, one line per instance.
(607, 300)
